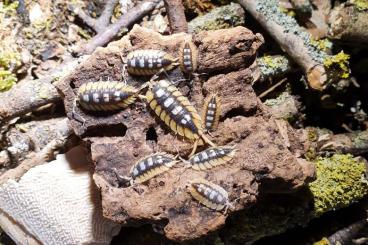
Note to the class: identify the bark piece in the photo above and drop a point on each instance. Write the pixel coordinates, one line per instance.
(349, 24)
(219, 51)
(164, 201)
(262, 159)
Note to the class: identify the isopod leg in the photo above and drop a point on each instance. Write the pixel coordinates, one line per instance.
(76, 116)
(207, 140)
(194, 148)
(124, 73)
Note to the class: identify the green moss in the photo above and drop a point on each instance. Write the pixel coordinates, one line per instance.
(7, 80)
(322, 44)
(340, 181)
(273, 65)
(220, 18)
(323, 241)
(338, 64)
(361, 5)
(8, 8)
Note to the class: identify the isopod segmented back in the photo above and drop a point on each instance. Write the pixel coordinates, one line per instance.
(188, 57)
(209, 194)
(106, 95)
(174, 109)
(151, 166)
(211, 112)
(212, 157)
(146, 62)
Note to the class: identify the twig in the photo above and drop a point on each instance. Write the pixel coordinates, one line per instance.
(112, 30)
(291, 38)
(26, 96)
(345, 235)
(272, 88)
(101, 22)
(175, 12)
(29, 95)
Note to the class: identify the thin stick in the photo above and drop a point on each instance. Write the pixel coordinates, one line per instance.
(112, 30)
(175, 12)
(272, 88)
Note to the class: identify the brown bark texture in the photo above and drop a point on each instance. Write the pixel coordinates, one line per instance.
(118, 140)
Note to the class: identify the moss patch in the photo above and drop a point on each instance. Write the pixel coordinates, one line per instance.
(361, 5)
(340, 182)
(338, 64)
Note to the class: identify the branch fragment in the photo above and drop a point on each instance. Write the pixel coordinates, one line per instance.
(175, 12)
(293, 39)
(101, 22)
(112, 30)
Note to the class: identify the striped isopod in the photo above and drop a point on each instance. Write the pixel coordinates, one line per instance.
(188, 57)
(209, 194)
(211, 112)
(212, 157)
(106, 95)
(173, 108)
(146, 62)
(151, 166)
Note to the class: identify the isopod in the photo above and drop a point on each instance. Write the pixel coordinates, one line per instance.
(146, 62)
(188, 57)
(106, 95)
(173, 108)
(209, 194)
(211, 112)
(212, 157)
(150, 166)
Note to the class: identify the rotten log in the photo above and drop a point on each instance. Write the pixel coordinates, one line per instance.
(176, 16)
(349, 23)
(292, 38)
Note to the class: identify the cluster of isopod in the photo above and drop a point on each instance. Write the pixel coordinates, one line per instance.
(173, 109)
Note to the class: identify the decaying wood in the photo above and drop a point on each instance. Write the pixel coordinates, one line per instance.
(175, 12)
(291, 38)
(219, 51)
(349, 24)
(128, 19)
